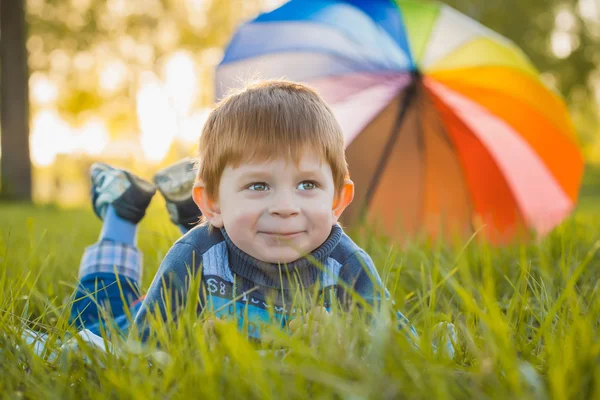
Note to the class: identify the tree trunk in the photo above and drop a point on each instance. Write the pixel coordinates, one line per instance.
(15, 166)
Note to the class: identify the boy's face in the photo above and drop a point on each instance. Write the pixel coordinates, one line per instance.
(277, 211)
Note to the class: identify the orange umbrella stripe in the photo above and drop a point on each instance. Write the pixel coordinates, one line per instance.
(514, 83)
(446, 200)
(558, 152)
(493, 201)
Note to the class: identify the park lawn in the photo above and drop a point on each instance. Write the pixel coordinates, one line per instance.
(527, 316)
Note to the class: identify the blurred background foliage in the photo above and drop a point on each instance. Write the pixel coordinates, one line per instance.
(131, 81)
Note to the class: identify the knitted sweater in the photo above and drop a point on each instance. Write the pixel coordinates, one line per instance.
(236, 285)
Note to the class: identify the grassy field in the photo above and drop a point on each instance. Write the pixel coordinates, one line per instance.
(527, 316)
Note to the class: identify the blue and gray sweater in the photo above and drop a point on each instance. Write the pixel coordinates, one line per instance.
(236, 285)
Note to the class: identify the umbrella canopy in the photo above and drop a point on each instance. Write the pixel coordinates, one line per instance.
(447, 127)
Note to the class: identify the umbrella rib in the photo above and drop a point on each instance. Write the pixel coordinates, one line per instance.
(410, 93)
(423, 162)
(444, 136)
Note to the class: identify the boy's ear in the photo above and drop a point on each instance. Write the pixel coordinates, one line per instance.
(210, 209)
(342, 201)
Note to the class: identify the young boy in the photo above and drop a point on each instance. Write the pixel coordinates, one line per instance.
(272, 182)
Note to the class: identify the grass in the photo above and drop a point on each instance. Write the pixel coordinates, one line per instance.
(527, 315)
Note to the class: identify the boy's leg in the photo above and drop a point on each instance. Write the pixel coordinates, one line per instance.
(111, 269)
(175, 183)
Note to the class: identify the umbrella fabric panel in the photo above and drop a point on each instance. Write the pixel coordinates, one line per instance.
(512, 82)
(353, 115)
(356, 99)
(453, 30)
(385, 14)
(484, 52)
(335, 89)
(419, 18)
(557, 151)
(301, 67)
(494, 206)
(259, 39)
(446, 198)
(397, 196)
(364, 154)
(336, 17)
(541, 200)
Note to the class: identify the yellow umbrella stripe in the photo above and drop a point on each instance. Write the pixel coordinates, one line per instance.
(481, 52)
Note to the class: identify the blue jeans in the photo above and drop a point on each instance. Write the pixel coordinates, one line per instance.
(108, 291)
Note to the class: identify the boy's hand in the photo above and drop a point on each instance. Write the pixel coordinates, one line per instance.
(310, 324)
(210, 329)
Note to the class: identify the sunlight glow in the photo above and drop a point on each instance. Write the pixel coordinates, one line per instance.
(83, 61)
(167, 35)
(191, 128)
(60, 61)
(120, 8)
(589, 9)
(197, 6)
(181, 81)
(156, 118)
(565, 20)
(92, 137)
(50, 136)
(43, 90)
(122, 148)
(563, 40)
(166, 109)
(197, 12)
(562, 44)
(113, 76)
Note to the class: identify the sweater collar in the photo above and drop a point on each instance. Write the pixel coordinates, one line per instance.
(282, 276)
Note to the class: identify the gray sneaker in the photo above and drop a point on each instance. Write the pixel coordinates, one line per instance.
(129, 194)
(175, 183)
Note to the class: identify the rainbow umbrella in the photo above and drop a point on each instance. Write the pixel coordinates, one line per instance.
(448, 128)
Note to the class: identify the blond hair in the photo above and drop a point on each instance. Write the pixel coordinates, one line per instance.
(267, 120)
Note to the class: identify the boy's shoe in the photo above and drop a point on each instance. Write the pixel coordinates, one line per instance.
(175, 183)
(444, 339)
(129, 195)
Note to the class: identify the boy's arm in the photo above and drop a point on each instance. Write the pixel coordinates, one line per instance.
(360, 276)
(167, 293)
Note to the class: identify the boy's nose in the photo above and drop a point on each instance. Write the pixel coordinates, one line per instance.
(283, 206)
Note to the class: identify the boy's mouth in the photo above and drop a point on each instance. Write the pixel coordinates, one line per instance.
(282, 235)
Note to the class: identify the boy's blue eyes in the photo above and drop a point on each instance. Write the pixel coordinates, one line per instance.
(307, 185)
(258, 187)
(262, 186)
